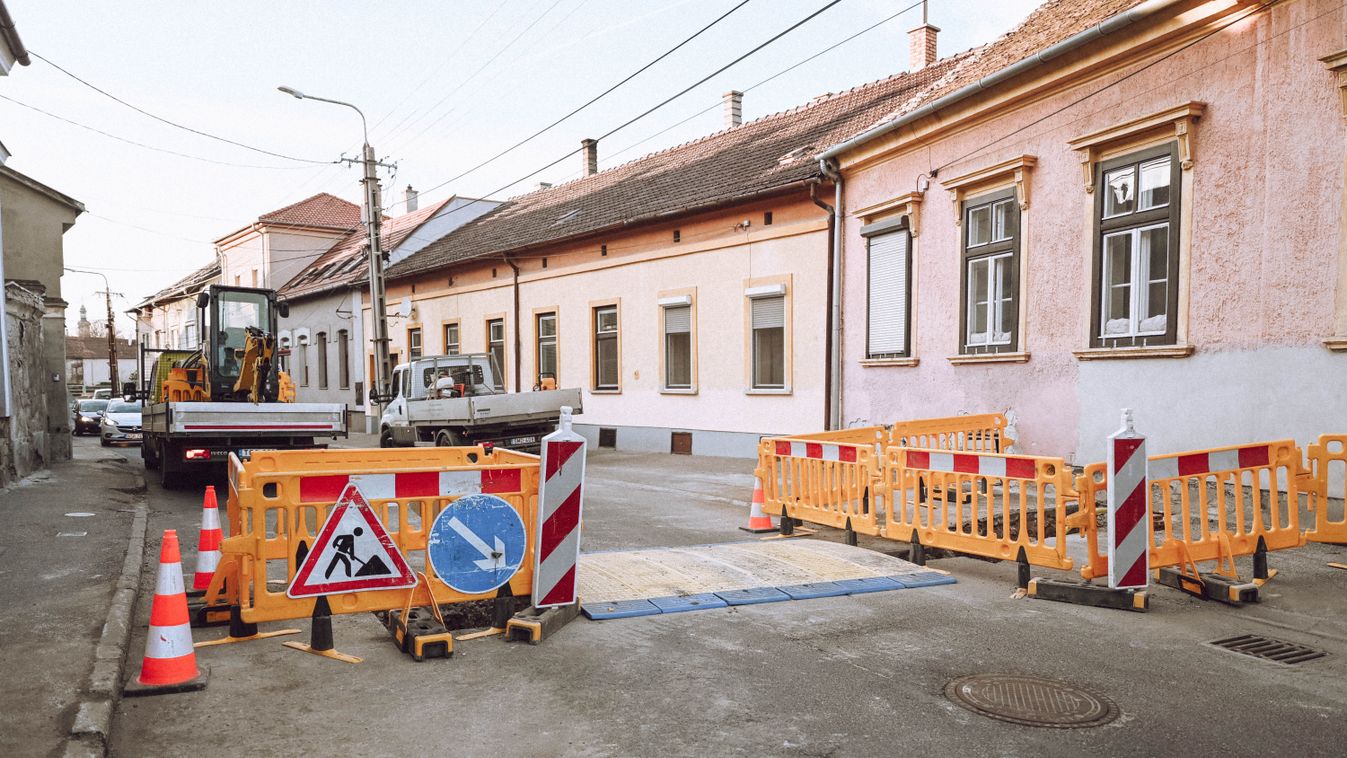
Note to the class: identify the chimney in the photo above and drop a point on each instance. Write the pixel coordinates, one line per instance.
(921, 43)
(589, 156)
(734, 108)
(544, 185)
(410, 195)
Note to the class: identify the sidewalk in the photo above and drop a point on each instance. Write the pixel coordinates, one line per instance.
(61, 561)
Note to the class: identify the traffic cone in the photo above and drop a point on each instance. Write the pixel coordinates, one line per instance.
(170, 661)
(758, 522)
(208, 544)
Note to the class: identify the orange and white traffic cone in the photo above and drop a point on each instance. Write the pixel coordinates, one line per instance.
(170, 660)
(758, 521)
(208, 544)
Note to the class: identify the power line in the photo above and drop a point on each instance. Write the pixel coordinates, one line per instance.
(165, 150)
(657, 106)
(174, 124)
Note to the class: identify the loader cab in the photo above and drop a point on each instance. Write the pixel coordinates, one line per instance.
(225, 314)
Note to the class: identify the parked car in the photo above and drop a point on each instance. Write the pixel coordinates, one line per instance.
(120, 423)
(88, 414)
(103, 394)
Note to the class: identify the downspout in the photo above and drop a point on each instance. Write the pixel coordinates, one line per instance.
(835, 253)
(828, 340)
(518, 344)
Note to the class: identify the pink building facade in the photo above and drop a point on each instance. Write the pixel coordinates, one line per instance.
(1152, 218)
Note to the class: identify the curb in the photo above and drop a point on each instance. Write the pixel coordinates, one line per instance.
(93, 719)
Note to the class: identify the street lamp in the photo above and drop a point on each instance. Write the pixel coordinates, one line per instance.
(112, 329)
(378, 310)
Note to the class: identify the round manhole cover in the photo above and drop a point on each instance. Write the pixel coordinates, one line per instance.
(1032, 701)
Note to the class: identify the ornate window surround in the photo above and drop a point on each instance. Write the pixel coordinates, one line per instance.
(1175, 123)
(1013, 171)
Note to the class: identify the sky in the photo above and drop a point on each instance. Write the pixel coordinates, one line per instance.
(443, 85)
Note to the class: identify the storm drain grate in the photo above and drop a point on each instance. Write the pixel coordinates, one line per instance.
(1270, 649)
(1032, 701)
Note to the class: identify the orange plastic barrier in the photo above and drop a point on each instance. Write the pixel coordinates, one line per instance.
(983, 433)
(859, 435)
(825, 483)
(984, 504)
(1325, 463)
(1208, 505)
(281, 498)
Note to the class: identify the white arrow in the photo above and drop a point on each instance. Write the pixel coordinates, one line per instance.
(491, 559)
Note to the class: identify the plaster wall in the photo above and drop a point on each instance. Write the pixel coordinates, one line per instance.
(33, 224)
(1263, 200)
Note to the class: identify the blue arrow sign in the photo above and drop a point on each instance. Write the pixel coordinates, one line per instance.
(476, 543)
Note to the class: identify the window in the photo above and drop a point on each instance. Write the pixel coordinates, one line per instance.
(769, 341)
(545, 327)
(678, 347)
(991, 247)
(321, 342)
(238, 280)
(451, 342)
(283, 353)
(1136, 250)
(413, 343)
(605, 348)
(888, 248)
(254, 277)
(344, 359)
(495, 343)
(302, 352)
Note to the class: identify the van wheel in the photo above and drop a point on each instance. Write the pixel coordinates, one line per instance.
(149, 454)
(168, 479)
(386, 438)
(447, 438)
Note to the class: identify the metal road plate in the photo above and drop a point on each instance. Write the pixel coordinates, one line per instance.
(738, 573)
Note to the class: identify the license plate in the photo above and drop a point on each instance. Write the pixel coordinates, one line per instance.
(133, 436)
(523, 440)
(247, 453)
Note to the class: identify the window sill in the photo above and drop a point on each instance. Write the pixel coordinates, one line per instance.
(1157, 351)
(782, 391)
(882, 362)
(1017, 357)
(667, 391)
(606, 392)
(1337, 343)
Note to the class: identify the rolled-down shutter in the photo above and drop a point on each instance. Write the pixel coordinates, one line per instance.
(769, 312)
(678, 320)
(887, 296)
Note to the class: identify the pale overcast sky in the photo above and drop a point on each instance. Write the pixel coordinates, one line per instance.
(424, 74)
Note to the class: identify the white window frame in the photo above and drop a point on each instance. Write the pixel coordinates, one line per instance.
(1139, 272)
(994, 295)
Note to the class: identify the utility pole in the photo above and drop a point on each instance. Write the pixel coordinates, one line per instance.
(372, 212)
(108, 294)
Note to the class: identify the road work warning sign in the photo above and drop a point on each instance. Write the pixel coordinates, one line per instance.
(353, 552)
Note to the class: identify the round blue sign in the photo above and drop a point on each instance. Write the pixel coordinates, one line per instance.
(476, 543)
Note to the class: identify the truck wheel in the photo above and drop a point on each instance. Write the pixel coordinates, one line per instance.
(446, 438)
(149, 454)
(386, 438)
(168, 478)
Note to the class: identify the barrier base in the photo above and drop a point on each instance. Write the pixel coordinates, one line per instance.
(335, 655)
(419, 634)
(1083, 593)
(533, 626)
(134, 688)
(1211, 586)
(799, 531)
(203, 615)
(259, 636)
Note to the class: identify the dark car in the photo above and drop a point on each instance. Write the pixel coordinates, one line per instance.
(88, 414)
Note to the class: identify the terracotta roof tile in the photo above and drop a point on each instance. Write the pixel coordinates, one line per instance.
(321, 210)
(188, 285)
(97, 347)
(750, 160)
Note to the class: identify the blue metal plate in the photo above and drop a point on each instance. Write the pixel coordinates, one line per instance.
(871, 584)
(925, 579)
(678, 603)
(621, 609)
(753, 596)
(814, 589)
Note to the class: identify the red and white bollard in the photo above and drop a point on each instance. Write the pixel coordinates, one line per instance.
(1128, 508)
(560, 499)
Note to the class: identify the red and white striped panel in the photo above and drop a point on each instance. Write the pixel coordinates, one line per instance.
(1196, 464)
(560, 503)
(972, 463)
(327, 488)
(1128, 512)
(817, 450)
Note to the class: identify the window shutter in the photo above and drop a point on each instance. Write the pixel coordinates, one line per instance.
(769, 313)
(888, 294)
(678, 320)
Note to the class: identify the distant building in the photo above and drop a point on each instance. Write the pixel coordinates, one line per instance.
(86, 358)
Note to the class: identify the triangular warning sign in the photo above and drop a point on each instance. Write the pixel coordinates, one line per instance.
(353, 552)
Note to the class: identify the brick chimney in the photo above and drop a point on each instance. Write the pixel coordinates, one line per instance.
(411, 196)
(734, 108)
(921, 50)
(589, 156)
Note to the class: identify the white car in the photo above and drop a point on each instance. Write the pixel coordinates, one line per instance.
(120, 423)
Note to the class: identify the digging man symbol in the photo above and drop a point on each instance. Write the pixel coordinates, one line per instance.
(344, 545)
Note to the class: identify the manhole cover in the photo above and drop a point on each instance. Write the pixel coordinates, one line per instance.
(1031, 701)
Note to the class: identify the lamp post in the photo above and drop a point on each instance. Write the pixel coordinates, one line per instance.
(378, 311)
(112, 329)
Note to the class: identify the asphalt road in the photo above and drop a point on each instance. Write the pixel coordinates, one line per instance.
(859, 675)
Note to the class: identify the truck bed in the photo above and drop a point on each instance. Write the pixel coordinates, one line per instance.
(491, 409)
(245, 419)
